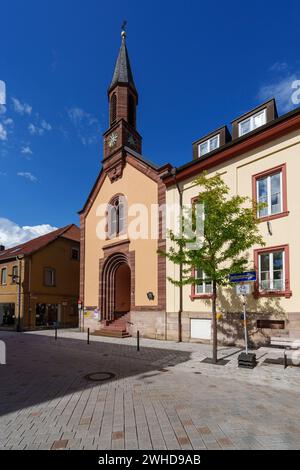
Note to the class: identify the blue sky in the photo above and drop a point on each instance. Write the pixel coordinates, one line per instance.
(197, 65)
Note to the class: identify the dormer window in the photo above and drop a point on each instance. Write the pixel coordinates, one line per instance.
(252, 122)
(209, 145)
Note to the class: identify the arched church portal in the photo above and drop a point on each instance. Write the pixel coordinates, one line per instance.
(116, 287)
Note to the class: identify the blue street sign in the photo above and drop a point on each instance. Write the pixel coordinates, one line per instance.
(248, 276)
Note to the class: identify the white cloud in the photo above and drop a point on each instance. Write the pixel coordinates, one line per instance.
(2, 173)
(8, 122)
(281, 89)
(76, 115)
(2, 109)
(3, 132)
(35, 130)
(28, 176)
(86, 124)
(279, 67)
(12, 234)
(26, 150)
(39, 130)
(45, 125)
(21, 108)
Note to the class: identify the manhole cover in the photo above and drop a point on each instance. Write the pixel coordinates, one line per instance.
(99, 376)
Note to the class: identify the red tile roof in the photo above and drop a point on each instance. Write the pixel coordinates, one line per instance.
(70, 232)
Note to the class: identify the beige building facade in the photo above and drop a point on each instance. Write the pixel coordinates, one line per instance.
(262, 164)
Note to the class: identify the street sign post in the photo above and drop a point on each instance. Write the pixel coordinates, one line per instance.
(243, 289)
(246, 359)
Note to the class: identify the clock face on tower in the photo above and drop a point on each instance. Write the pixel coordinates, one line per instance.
(112, 139)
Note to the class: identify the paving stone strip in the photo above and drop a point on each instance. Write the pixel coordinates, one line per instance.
(163, 397)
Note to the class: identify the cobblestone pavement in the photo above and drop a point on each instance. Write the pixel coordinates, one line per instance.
(162, 397)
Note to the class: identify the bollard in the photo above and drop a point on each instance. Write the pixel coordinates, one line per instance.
(138, 340)
(88, 336)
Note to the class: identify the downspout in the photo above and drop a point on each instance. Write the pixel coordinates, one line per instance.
(29, 295)
(173, 173)
(19, 258)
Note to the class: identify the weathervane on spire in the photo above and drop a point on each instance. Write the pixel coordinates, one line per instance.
(123, 29)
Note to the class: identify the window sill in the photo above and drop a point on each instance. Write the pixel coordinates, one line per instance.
(200, 296)
(273, 216)
(287, 294)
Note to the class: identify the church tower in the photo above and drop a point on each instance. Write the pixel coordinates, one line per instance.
(123, 101)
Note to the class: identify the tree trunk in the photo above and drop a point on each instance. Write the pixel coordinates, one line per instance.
(214, 323)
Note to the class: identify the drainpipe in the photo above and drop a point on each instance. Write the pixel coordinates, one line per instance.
(173, 173)
(19, 259)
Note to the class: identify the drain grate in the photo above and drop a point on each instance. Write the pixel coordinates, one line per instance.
(99, 376)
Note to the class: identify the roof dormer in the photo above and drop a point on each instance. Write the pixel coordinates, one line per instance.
(211, 142)
(254, 119)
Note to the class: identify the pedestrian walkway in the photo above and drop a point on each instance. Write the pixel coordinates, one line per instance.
(161, 397)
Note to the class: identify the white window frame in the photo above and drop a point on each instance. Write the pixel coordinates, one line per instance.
(204, 283)
(271, 271)
(208, 141)
(251, 119)
(269, 195)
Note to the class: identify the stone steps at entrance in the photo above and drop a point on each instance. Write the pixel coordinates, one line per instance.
(116, 328)
(114, 333)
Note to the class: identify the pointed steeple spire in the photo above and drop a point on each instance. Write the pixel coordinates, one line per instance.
(123, 73)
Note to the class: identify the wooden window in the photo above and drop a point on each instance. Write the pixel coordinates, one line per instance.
(209, 145)
(3, 276)
(272, 265)
(116, 216)
(270, 187)
(14, 278)
(49, 277)
(75, 253)
(203, 288)
(252, 122)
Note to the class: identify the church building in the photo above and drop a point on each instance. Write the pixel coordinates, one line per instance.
(123, 279)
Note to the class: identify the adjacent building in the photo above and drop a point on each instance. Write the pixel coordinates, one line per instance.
(39, 281)
(258, 159)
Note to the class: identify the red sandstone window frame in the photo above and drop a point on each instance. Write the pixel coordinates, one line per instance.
(111, 236)
(287, 293)
(278, 169)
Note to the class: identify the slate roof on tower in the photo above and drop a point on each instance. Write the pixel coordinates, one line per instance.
(123, 72)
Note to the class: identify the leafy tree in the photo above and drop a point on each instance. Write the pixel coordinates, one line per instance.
(230, 229)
